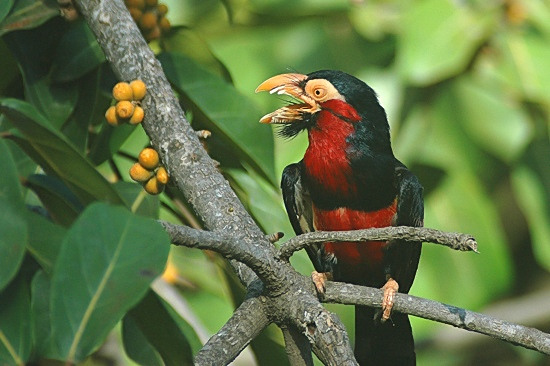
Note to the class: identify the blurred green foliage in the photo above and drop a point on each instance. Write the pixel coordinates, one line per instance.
(466, 85)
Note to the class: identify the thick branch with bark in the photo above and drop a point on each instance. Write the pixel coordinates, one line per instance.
(343, 293)
(275, 291)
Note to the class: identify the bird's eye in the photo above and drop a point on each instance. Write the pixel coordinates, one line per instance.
(319, 92)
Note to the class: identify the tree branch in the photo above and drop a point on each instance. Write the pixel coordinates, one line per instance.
(245, 324)
(217, 241)
(532, 338)
(457, 241)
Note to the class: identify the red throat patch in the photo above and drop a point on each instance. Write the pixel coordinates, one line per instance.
(325, 158)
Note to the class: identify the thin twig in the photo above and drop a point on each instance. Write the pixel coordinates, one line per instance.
(457, 241)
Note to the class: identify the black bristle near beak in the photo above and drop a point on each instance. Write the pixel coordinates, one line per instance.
(291, 130)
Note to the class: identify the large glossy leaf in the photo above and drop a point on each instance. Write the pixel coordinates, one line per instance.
(233, 114)
(13, 239)
(45, 240)
(13, 228)
(57, 154)
(15, 325)
(56, 197)
(107, 261)
(137, 346)
(27, 14)
(77, 53)
(44, 347)
(438, 39)
(10, 189)
(161, 329)
(533, 201)
(54, 101)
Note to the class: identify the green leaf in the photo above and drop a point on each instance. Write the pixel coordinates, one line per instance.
(134, 194)
(54, 101)
(10, 189)
(5, 7)
(13, 239)
(44, 346)
(137, 346)
(533, 201)
(57, 155)
(524, 64)
(230, 112)
(56, 197)
(189, 42)
(15, 325)
(438, 39)
(262, 200)
(13, 228)
(45, 240)
(89, 110)
(28, 14)
(162, 329)
(77, 53)
(491, 119)
(107, 261)
(108, 142)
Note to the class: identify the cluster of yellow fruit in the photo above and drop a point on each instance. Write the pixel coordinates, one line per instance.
(127, 108)
(150, 17)
(148, 172)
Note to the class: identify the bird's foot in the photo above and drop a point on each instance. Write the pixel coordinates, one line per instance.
(319, 279)
(390, 288)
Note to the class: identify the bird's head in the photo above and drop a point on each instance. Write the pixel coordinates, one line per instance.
(344, 96)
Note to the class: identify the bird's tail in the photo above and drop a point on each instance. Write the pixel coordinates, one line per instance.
(389, 343)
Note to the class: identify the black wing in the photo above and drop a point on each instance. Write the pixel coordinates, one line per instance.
(300, 210)
(402, 257)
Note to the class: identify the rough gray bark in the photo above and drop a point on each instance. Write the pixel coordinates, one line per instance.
(275, 291)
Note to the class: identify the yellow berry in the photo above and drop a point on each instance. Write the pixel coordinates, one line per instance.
(148, 158)
(151, 2)
(122, 91)
(164, 24)
(162, 175)
(148, 21)
(162, 9)
(153, 186)
(137, 117)
(153, 33)
(135, 13)
(139, 173)
(138, 4)
(124, 109)
(111, 116)
(138, 89)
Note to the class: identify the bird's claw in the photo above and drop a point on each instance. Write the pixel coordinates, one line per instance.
(390, 288)
(319, 279)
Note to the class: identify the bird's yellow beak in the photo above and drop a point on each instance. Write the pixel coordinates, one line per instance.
(291, 85)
